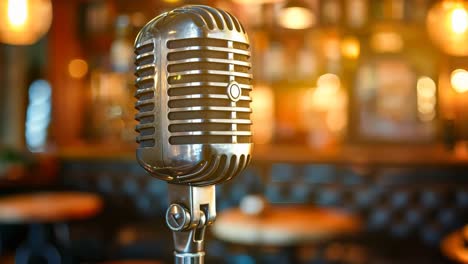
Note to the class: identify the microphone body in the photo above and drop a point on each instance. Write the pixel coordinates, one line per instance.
(193, 99)
(193, 84)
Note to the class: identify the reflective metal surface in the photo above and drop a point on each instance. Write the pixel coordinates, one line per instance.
(193, 91)
(192, 210)
(189, 258)
(193, 85)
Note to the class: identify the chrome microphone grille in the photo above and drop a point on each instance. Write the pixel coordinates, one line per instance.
(203, 74)
(193, 96)
(218, 168)
(145, 93)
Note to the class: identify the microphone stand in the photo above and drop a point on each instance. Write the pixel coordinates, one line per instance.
(191, 210)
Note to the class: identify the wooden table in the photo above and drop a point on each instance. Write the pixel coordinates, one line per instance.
(284, 225)
(48, 207)
(455, 246)
(43, 210)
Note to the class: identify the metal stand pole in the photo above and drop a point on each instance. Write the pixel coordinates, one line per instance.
(192, 209)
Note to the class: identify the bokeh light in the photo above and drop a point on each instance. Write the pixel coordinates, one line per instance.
(459, 80)
(459, 20)
(426, 98)
(387, 41)
(77, 68)
(447, 25)
(24, 22)
(263, 118)
(350, 48)
(38, 115)
(17, 14)
(296, 17)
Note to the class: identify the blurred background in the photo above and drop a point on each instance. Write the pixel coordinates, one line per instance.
(359, 106)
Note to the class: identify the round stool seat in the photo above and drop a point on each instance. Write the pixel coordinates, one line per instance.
(455, 245)
(48, 207)
(284, 225)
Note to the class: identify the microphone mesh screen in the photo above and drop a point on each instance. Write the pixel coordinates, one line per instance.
(199, 73)
(145, 93)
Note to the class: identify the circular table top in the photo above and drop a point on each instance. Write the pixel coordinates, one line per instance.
(48, 207)
(453, 245)
(284, 225)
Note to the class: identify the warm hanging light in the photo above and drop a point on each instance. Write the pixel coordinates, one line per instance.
(447, 24)
(459, 20)
(459, 80)
(24, 21)
(17, 13)
(296, 15)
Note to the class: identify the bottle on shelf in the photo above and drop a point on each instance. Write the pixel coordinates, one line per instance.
(112, 88)
(324, 103)
(393, 84)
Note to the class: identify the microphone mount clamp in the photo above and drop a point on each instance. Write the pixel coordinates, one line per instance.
(191, 210)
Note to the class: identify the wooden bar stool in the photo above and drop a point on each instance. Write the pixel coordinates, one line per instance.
(42, 210)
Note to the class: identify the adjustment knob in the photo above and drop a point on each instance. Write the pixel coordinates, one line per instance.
(177, 217)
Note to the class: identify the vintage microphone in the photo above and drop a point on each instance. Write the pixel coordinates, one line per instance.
(193, 84)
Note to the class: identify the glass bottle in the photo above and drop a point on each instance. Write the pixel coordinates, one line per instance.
(324, 104)
(112, 87)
